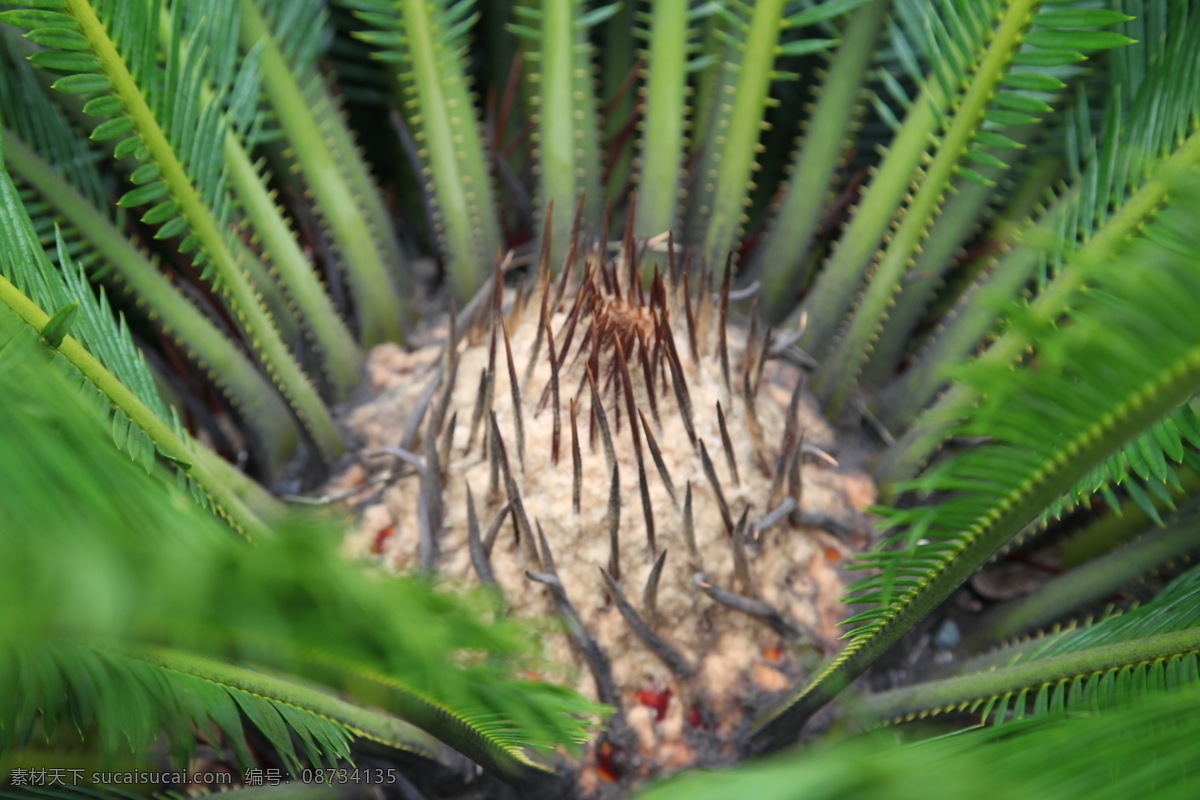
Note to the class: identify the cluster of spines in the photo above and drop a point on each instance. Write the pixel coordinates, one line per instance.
(615, 312)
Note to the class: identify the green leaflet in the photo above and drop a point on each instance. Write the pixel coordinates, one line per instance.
(1120, 658)
(1129, 357)
(180, 129)
(426, 42)
(159, 598)
(977, 103)
(568, 146)
(1138, 747)
(751, 44)
(105, 356)
(331, 166)
(1144, 136)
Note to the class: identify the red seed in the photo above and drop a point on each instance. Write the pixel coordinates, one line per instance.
(381, 539)
(659, 701)
(605, 766)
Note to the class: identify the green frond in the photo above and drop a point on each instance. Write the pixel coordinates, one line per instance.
(106, 358)
(45, 155)
(789, 236)
(289, 37)
(160, 581)
(973, 132)
(1145, 467)
(425, 43)
(567, 133)
(1110, 197)
(752, 39)
(126, 699)
(1100, 578)
(1123, 362)
(661, 149)
(163, 115)
(1149, 649)
(1061, 755)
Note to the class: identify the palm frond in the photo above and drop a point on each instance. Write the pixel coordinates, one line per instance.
(751, 40)
(161, 582)
(1047, 424)
(1063, 755)
(567, 135)
(997, 97)
(165, 118)
(141, 423)
(128, 698)
(43, 153)
(1098, 579)
(1105, 204)
(789, 236)
(289, 37)
(426, 45)
(1128, 656)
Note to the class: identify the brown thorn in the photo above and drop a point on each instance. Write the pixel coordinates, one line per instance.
(479, 554)
(752, 423)
(777, 515)
(443, 403)
(727, 444)
(544, 546)
(671, 657)
(704, 309)
(583, 345)
(723, 325)
(656, 454)
(627, 386)
(671, 273)
(689, 530)
(614, 523)
(447, 442)
(593, 656)
(598, 414)
(711, 474)
(629, 254)
(576, 462)
(786, 453)
(518, 412)
(795, 487)
(557, 430)
(792, 421)
(741, 566)
(543, 322)
(517, 313)
(679, 383)
(489, 539)
(693, 346)
(650, 593)
(494, 451)
(747, 605)
(647, 510)
(648, 377)
(520, 519)
(749, 355)
(408, 438)
(481, 396)
(572, 320)
(429, 507)
(763, 355)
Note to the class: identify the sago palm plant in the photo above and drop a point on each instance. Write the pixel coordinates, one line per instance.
(625, 312)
